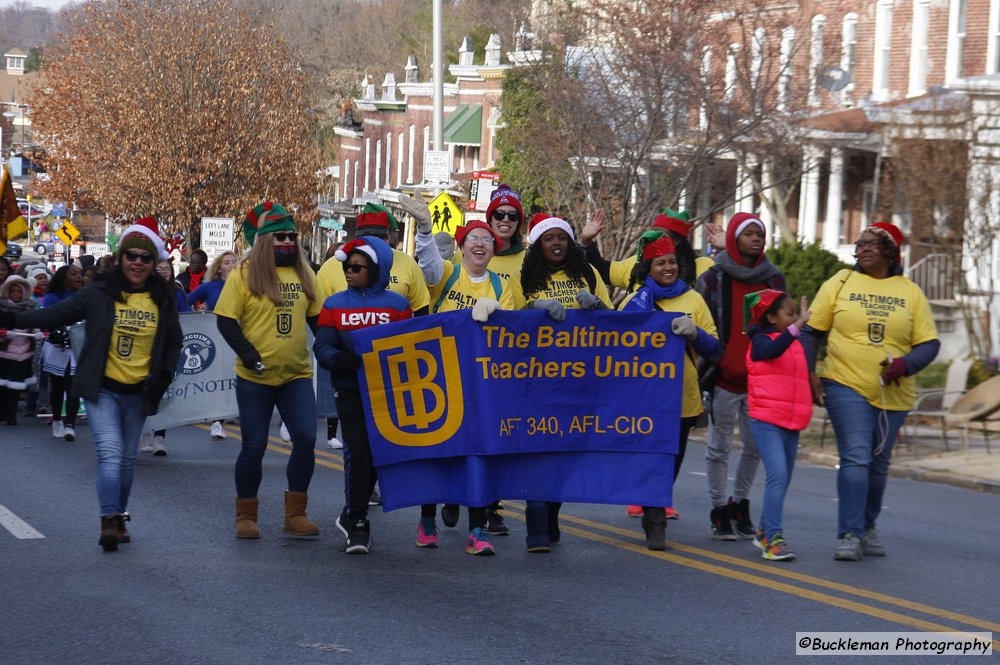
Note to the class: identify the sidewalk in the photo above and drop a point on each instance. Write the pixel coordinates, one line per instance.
(921, 458)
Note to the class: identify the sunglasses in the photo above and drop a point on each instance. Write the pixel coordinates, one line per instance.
(512, 215)
(138, 256)
(282, 236)
(354, 267)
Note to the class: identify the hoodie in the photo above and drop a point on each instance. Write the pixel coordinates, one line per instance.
(355, 309)
(723, 286)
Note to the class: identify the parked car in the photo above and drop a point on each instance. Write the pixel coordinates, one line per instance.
(13, 252)
(25, 207)
(45, 247)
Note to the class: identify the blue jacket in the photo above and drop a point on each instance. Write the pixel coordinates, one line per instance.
(355, 309)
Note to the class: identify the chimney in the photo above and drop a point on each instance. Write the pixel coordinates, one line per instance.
(389, 87)
(412, 74)
(493, 51)
(465, 53)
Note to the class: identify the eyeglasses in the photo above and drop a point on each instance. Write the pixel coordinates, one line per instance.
(163, 269)
(354, 267)
(282, 236)
(479, 240)
(861, 244)
(138, 256)
(512, 215)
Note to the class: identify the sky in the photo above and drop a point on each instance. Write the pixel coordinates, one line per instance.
(48, 4)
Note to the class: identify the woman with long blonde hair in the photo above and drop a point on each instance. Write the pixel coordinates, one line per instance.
(262, 313)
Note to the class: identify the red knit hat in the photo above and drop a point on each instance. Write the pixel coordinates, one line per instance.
(543, 222)
(755, 304)
(671, 220)
(464, 230)
(654, 243)
(505, 196)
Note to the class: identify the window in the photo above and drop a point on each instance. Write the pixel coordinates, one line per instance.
(956, 41)
(918, 48)
(849, 47)
(785, 64)
(816, 57)
(883, 43)
(706, 84)
(993, 45)
(730, 92)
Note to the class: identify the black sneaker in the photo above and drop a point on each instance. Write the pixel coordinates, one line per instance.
(359, 538)
(495, 524)
(343, 524)
(450, 514)
(739, 513)
(375, 499)
(722, 529)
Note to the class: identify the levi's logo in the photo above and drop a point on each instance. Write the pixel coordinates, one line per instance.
(363, 319)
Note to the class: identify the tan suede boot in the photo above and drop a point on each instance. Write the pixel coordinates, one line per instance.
(246, 518)
(297, 524)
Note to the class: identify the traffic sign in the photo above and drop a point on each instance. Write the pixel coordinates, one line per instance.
(437, 166)
(445, 214)
(216, 236)
(67, 233)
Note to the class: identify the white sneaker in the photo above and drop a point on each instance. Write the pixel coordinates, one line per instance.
(146, 443)
(218, 433)
(158, 448)
(283, 432)
(334, 443)
(58, 429)
(68, 433)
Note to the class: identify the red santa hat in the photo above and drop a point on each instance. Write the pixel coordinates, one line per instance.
(543, 222)
(143, 234)
(356, 245)
(891, 232)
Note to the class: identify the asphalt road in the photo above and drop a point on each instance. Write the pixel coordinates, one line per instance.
(187, 591)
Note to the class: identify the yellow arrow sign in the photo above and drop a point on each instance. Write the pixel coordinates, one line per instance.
(67, 233)
(445, 215)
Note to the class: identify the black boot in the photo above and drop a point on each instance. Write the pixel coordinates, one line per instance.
(654, 523)
(555, 535)
(739, 513)
(536, 519)
(109, 532)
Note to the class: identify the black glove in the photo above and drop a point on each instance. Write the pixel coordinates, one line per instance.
(250, 359)
(6, 320)
(346, 361)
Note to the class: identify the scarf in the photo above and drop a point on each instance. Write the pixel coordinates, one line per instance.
(25, 305)
(758, 274)
(646, 297)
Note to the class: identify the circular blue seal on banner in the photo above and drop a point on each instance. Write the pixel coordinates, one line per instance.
(197, 354)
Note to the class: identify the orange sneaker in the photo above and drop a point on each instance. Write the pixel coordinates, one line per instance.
(672, 514)
(634, 511)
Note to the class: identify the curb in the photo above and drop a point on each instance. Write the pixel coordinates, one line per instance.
(913, 473)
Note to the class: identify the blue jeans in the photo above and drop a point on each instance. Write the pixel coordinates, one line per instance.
(296, 403)
(116, 422)
(860, 429)
(777, 447)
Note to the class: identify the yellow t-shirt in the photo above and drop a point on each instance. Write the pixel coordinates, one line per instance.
(621, 271)
(132, 336)
(508, 268)
(564, 289)
(464, 293)
(278, 332)
(867, 319)
(330, 279)
(693, 305)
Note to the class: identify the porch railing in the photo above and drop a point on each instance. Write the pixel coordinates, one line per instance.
(935, 275)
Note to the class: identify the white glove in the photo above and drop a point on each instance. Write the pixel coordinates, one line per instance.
(588, 300)
(418, 211)
(39, 335)
(553, 307)
(483, 308)
(684, 327)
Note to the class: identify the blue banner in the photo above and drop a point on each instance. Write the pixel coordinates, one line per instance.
(523, 407)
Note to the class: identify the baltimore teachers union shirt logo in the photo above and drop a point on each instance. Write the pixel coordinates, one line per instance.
(197, 354)
(415, 387)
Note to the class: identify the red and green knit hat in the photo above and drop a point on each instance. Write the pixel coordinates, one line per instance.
(374, 218)
(755, 304)
(671, 220)
(267, 217)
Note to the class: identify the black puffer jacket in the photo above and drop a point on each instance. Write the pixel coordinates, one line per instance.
(94, 304)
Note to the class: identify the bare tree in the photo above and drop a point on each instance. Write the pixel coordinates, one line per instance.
(181, 108)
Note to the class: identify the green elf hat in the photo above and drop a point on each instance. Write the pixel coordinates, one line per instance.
(267, 217)
(374, 218)
(653, 244)
(755, 304)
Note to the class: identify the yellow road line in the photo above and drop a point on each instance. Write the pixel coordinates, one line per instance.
(770, 570)
(279, 446)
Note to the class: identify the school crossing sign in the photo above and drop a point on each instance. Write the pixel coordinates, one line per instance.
(445, 214)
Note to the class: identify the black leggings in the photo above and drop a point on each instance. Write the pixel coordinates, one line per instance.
(58, 386)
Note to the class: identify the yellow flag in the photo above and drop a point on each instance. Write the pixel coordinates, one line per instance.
(11, 223)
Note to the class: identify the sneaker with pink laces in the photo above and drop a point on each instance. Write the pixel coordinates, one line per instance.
(479, 544)
(427, 532)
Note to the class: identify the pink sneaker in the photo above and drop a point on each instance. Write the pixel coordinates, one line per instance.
(633, 511)
(479, 544)
(427, 532)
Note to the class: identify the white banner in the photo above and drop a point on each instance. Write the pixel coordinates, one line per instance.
(204, 387)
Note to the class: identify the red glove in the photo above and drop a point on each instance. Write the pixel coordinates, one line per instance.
(3, 333)
(894, 370)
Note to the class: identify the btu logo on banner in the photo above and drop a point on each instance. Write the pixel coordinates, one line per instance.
(415, 388)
